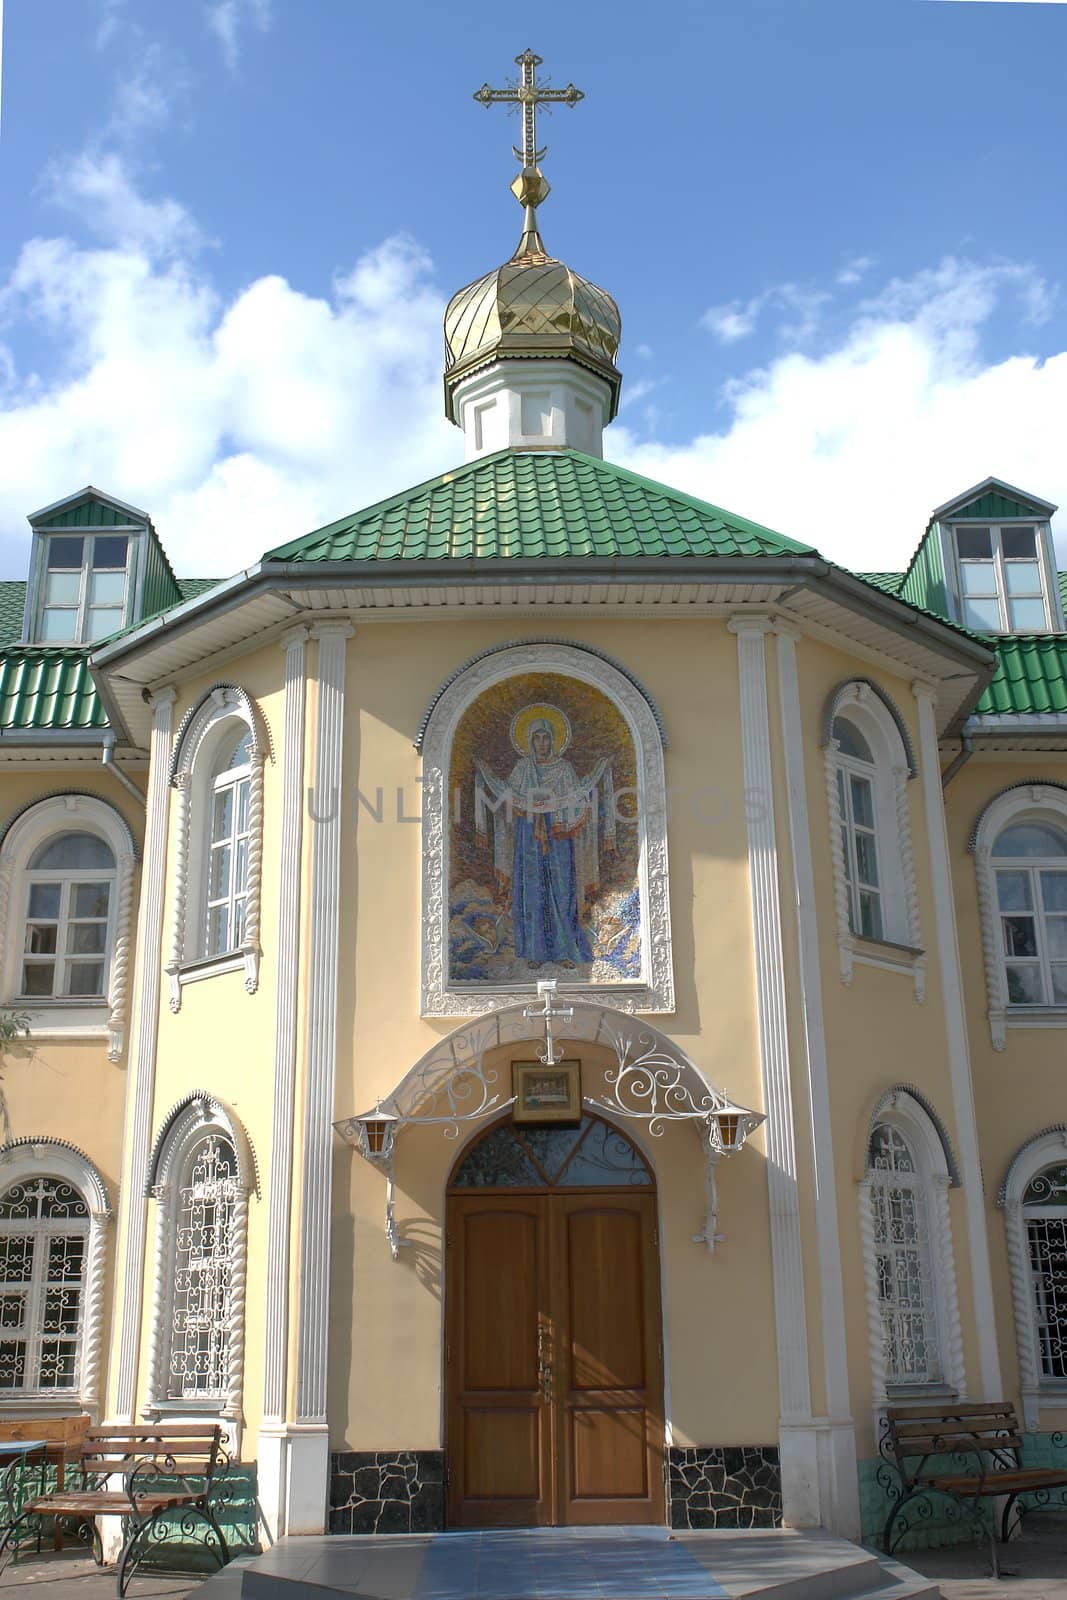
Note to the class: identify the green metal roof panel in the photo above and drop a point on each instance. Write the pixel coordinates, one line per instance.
(90, 513)
(12, 610)
(534, 505)
(159, 587)
(1031, 676)
(887, 581)
(41, 688)
(924, 581)
(998, 508)
(189, 588)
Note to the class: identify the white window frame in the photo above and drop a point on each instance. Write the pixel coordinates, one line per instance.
(900, 947)
(81, 608)
(1045, 1149)
(211, 725)
(935, 1174)
(1000, 563)
(1034, 801)
(66, 879)
(195, 1118)
(23, 1161)
(81, 1015)
(238, 780)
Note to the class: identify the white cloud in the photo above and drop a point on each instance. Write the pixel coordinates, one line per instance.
(854, 269)
(850, 450)
(800, 309)
(227, 20)
(99, 189)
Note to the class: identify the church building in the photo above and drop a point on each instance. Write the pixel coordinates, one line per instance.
(543, 1001)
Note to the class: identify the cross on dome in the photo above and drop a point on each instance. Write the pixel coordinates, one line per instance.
(530, 187)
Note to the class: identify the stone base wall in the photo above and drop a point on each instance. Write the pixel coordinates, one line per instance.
(387, 1491)
(732, 1486)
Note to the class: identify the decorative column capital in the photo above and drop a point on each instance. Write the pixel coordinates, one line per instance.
(744, 624)
(332, 630)
(923, 690)
(163, 697)
(294, 638)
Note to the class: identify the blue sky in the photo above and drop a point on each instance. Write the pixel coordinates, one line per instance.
(835, 229)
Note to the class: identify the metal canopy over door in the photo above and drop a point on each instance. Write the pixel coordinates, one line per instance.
(554, 1367)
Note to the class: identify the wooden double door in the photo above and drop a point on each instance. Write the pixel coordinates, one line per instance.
(554, 1361)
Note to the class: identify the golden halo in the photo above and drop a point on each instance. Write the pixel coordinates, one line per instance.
(556, 719)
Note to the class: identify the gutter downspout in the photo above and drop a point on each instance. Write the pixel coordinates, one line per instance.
(966, 751)
(107, 756)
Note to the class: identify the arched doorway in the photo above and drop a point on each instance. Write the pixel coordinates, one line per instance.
(554, 1356)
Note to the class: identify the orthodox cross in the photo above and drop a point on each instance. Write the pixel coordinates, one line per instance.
(529, 94)
(546, 991)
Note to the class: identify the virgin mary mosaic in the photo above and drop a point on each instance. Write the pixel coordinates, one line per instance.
(544, 837)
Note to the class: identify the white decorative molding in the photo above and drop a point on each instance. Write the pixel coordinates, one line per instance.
(321, 1058)
(132, 1220)
(894, 765)
(907, 863)
(31, 826)
(203, 728)
(279, 1200)
(1047, 1148)
(959, 1059)
(185, 1125)
(119, 988)
(799, 1449)
(1017, 801)
(837, 857)
(32, 1157)
(655, 991)
(842, 1513)
(875, 1331)
(951, 1320)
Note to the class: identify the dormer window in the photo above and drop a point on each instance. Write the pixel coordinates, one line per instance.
(83, 592)
(1002, 584)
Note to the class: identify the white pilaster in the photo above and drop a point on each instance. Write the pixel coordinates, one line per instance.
(797, 1429)
(273, 1441)
(959, 1060)
(141, 1091)
(310, 1446)
(840, 1499)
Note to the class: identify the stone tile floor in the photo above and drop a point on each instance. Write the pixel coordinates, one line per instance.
(1039, 1560)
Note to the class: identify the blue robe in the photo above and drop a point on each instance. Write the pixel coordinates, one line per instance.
(544, 896)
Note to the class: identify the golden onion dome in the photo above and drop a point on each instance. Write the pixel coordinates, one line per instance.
(533, 306)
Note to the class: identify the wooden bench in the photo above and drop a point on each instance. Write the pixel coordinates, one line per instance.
(61, 1439)
(165, 1468)
(983, 1443)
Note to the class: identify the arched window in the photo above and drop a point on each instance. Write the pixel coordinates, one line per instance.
(1034, 1200)
(217, 769)
(910, 1341)
(67, 866)
(226, 893)
(1030, 865)
(908, 1257)
(53, 1211)
(1045, 1214)
(70, 890)
(200, 1178)
(1020, 850)
(868, 764)
(856, 780)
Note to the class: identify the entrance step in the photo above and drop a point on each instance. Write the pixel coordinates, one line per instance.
(622, 1563)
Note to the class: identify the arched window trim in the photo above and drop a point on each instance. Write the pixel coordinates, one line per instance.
(914, 1119)
(1044, 1149)
(69, 812)
(194, 1117)
(223, 710)
(32, 1157)
(655, 993)
(900, 950)
(1013, 804)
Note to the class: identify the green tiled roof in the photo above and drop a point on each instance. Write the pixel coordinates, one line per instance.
(47, 688)
(12, 610)
(889, 581)
(537, 505)
(191, 587)
(1031, 676)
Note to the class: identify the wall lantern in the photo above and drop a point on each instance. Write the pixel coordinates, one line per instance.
(724, 1132)
(373, 1133)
